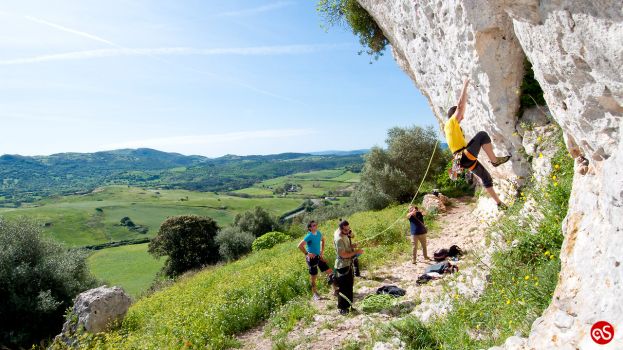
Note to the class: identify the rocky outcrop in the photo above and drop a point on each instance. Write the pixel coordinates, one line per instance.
(95, 311)
(439, 43)
(576, 49)
(435, 203)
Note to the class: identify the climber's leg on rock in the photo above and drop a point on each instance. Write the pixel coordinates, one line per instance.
(487, 182)
(482, 140)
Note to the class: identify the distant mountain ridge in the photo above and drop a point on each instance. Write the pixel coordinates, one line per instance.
(341, 153)
(26, 178)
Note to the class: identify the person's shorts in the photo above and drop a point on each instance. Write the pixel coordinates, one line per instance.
(315, 263)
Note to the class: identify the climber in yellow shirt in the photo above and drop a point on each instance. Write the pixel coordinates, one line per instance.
(470, 150)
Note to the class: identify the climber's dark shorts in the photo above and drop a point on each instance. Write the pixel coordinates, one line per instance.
(316, 263)
(474, 145)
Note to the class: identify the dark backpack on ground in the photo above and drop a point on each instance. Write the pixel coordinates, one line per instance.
(391, 290)
(441, 254)
(454, 251)
(423, 279)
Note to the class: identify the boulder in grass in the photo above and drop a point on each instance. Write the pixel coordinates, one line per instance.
(95, 311)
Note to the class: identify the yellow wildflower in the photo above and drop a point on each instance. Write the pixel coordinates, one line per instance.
(555, 184)
(536, 284)
(538, 139)
(508, 301)
(547, 252)
(527, 277)
(556, 166)
(540, 155)
(554, 177)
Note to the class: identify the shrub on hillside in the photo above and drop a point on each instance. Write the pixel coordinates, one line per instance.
(270, 240)
(188, 243)
(234, 243)
(257, 221)
(394, 174)
(38, 281)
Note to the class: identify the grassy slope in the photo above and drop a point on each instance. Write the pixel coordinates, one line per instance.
(522, 278)
(128, 266)
(206, 309)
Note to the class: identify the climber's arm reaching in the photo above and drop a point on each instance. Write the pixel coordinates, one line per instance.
(460, 110)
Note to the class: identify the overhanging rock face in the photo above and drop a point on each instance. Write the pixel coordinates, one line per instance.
(576, 48)
(438, 43)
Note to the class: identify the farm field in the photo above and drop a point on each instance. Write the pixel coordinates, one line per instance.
(130, 266)
(312, 184)
(94, 218)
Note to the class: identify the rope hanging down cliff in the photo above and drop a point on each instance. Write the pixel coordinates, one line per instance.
(430, 161)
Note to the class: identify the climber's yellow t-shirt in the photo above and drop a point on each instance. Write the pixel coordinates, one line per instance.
(454, 135)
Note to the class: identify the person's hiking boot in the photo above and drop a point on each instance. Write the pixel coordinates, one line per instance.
(500, 160)
(343, 311)
(502, 206)
(357, 273)
(316, 297)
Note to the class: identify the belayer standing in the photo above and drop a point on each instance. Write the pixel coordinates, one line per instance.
(312, 246)
(418, 231)
(345, 252)
(466, 153)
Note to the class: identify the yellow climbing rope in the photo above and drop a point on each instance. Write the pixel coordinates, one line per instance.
(430, 161)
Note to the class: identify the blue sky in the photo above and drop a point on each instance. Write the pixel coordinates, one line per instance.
(195, 77)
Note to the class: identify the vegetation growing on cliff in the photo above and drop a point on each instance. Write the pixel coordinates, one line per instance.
(531, 93)
(349, 12)
(522, 279)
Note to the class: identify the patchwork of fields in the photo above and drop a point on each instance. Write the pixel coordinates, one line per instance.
(94, 218)
(323, 183)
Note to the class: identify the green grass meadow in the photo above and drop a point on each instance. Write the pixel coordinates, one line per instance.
(314, 184)
(207, 309)
(94, 218)
(128, 266)
(82, 220)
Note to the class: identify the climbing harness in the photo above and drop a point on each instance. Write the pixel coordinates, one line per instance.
(457, 168)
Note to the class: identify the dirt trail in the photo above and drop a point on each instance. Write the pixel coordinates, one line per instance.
(329, 330)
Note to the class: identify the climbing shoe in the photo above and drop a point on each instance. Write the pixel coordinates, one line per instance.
(343, 311)
(500, 160)
(502, 206)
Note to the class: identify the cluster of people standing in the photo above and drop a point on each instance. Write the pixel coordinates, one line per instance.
(346, 263)
(342, 277)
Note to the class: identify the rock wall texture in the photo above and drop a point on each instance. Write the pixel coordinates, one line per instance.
(576, 49)
(439, 43)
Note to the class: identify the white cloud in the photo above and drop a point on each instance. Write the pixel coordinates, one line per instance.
(256, 10)
(170, 51)
(211, 139)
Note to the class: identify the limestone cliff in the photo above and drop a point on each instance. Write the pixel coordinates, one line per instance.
(576, 49)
